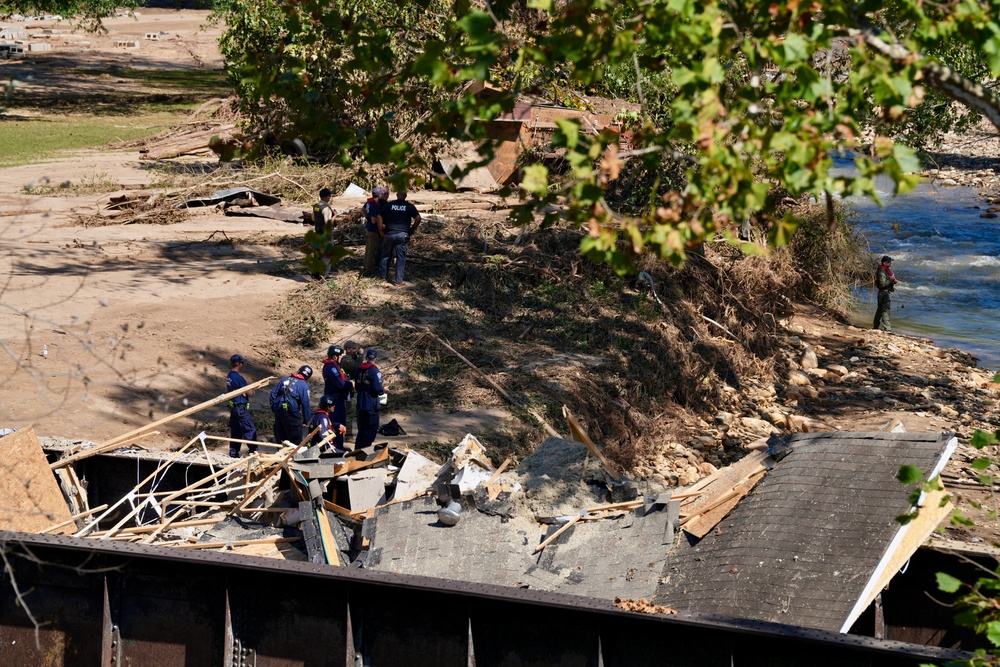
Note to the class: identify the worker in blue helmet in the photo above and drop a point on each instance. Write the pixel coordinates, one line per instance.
(371, 396)
(337, 387)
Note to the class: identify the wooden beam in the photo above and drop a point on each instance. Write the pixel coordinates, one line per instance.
(86, 529)
(235, 543)
(81, 515)
(581, 436)
(183, 413)
(326, 537)
(250, 496)
(86, 453)
(551, 538)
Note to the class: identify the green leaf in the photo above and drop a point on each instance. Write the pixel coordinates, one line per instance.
(948, 583)
(570, 130)
(544, 5)
(795, 47)
(535, 179)
(982, 439)
(993, 632)
(982, 463)
(909, 474)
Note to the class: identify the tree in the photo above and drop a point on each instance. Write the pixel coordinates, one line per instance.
(757, 103)
(88, 10)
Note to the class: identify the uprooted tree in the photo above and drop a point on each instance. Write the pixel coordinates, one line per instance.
(742, 100)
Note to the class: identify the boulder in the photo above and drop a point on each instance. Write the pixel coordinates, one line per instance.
(809, 359)
(798, 379)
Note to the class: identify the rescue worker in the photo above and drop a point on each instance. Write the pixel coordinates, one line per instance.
(371, 394)
(322, 213)
(885, 283)
(327, 423)
(241, 424)
(353, 357)
(290, 405)
(398, 220)
(373, 239)
(337, 387)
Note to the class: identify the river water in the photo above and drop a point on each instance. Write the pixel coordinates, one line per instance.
(947, 261)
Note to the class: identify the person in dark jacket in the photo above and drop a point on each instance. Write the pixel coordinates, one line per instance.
(368, 384)
(354, 356)
(885, 283)
(373, 238)
(241, 424)
(337, 387)
(290, 405)
(398, 221)
(324, 421)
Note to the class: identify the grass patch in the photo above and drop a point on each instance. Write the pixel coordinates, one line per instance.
(190, 82)
(25, 139)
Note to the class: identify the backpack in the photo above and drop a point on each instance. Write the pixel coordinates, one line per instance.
(279, 400)
(391, 429)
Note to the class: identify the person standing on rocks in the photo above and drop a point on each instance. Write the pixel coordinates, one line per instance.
(353, 357)
(290, 405)
(398, 221)
(370, 396)
(337, 388)
(241, 424)
(885, 283)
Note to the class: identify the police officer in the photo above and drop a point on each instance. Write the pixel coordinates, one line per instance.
(370, 395)
(326, 423)
(290, 405)
(336, 387)
(885, 283)
(241, 424)
(353, 357)
(322, 213)
(373, 238)
(398, 221)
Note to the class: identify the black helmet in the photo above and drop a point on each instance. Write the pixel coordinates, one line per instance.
(306, 372)
(886, 259)
(325, 402)
(334, 351)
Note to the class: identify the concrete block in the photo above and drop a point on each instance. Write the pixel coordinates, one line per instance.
(127, 43)
(153, 36)
(39, 46)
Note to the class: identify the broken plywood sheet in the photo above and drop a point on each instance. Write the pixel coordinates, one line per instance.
(709, 515)
(366, 489)
(416, 476)
(30, 499)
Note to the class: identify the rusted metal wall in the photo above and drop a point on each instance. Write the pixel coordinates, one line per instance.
(109, 605)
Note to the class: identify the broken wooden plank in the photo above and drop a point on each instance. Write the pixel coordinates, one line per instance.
(326, 537)
(86, 453)
(163, 466)
(74, 519)
(706, 519)
(552, 538)
(235, 543)
(166, 420)
(288, 457)
(626, 505)
(30, 497)
(581, 436)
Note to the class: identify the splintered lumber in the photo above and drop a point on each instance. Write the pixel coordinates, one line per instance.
(498, 471)
(61, 463)
(187, 142)
(74, 519)
(347, 514)
(235, 543)
(326, 537)
(625, 505)
(170, 525)
(30, 497)
(166, 420)
(86, 529)
(552, 538)
(275, 469)
(581, 436)
(722, 491)
(166, 502)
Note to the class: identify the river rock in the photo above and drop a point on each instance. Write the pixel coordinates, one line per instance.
(756, 425)
(950, 182)
(837, 368)
(809, 359)
(798, 379)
